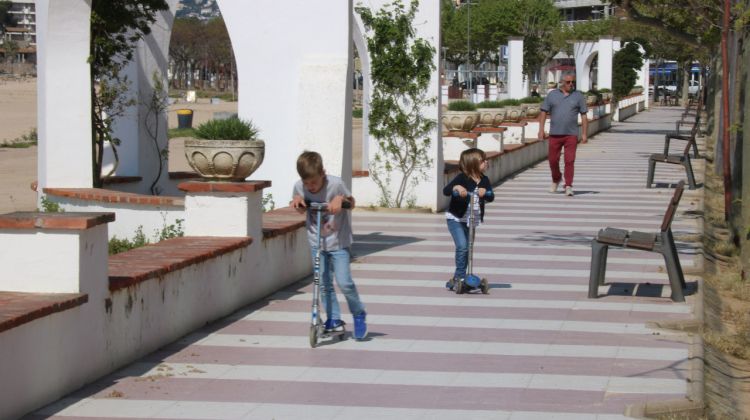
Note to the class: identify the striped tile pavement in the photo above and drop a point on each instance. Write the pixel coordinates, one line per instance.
(534, 348)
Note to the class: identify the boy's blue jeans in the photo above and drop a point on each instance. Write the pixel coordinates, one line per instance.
(339, 261)
(460, 233)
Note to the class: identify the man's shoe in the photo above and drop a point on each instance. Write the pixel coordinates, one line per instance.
(450, 283)
(360, 326)
(553, 188)
(334, 325)
(569, 191)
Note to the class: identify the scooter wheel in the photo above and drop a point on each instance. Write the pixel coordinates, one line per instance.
(459, 286)
(313, 336)
(485, 286)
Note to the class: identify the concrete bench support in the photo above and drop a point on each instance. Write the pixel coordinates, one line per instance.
(227, 209)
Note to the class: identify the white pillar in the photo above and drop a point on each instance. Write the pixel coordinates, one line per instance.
(64, 94)
(294, 63)
(643, 76)
(606, 53)
(515, 68)
(224, 208)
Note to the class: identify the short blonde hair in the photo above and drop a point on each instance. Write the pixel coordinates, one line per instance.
(309, 164)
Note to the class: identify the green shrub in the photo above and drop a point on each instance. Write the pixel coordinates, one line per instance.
(227, 129)
(511, 102)
(605, 90)
(532, 100)
(180, 132)
(49, 206)
(357, 112)
(461, 106)
(117, 245)
(490, 104)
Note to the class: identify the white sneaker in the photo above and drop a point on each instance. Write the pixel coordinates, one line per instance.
(569, 191)
(553, 188)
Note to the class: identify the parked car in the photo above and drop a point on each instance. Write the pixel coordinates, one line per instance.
(693, 88)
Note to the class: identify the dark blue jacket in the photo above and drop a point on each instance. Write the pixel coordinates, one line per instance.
(459, 204)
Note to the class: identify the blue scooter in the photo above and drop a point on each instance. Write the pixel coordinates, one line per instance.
(471, 281)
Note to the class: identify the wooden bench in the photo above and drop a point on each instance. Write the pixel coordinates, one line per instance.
(661, 242)
(681, 159)
(677, 135)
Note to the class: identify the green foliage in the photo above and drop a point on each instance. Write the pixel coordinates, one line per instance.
(49, 206)
(492, 23)
(268, 203)
(156, 107)
(532, 100)
(605, 90)
(511, 102)
(491, 104)
(26, 140)
(117, 245)
(401, 67)
(6, 19)
(170, 231)
(357, 112)
(180, 132)
(233, 128)
(625, 64)
(461, 106)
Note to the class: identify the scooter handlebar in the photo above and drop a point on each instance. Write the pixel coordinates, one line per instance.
(315, 206)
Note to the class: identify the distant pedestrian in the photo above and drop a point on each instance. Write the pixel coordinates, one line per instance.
(563, 106)
(473, 163)
(534, 92)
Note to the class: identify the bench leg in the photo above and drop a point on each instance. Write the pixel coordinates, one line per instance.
(689, 172)
(674, 268)
(598, 267)
(695, 149)
(651, 169)
(666, 140)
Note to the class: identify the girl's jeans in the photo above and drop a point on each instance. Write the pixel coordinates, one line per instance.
(338, 261)
(460, 233)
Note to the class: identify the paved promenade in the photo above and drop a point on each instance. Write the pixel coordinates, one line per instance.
(534, 348)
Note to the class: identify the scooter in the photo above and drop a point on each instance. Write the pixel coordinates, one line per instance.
(471, 281)
(317, 326)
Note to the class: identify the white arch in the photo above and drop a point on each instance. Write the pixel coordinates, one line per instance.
(584, 53)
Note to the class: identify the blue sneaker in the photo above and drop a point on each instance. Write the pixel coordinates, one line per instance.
(450, 283)
(360, 326)
(334, 325)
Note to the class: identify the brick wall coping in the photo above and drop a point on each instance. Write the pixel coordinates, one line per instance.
(515, 124)
(280, 221)
(461, 134)
(112, 196)
(490, 129)
(137, 265)
(184, 175)
(223, 187)
(360, 174)
(65, 221)
(20, 308)
(452, 165)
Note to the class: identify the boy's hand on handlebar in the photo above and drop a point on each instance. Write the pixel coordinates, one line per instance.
(336, 204)
(298, 203)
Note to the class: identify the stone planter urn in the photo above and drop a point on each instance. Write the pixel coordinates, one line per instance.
(224, 160)
(460, 120)
(491, 116)
(590, 99)
(513, 113)
(533, 110)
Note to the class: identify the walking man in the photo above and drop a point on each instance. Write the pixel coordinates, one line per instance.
(563, 106)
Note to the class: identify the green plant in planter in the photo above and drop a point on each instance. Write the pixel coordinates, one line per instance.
(461, 106)
(490, 104)
(228, 129)
(532, 100)
(511, 102)
(605, 90)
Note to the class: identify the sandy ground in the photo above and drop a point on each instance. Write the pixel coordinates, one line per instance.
(18, 113)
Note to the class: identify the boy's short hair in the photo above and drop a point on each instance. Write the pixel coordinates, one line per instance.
(309, 164)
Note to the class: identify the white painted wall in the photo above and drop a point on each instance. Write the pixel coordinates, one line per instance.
(429, 192)
(584, 53)
(63, 94)
(516, 79)
(294, 72)
(606, 53)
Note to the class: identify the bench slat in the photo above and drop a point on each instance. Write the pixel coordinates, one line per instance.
(641, 240)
